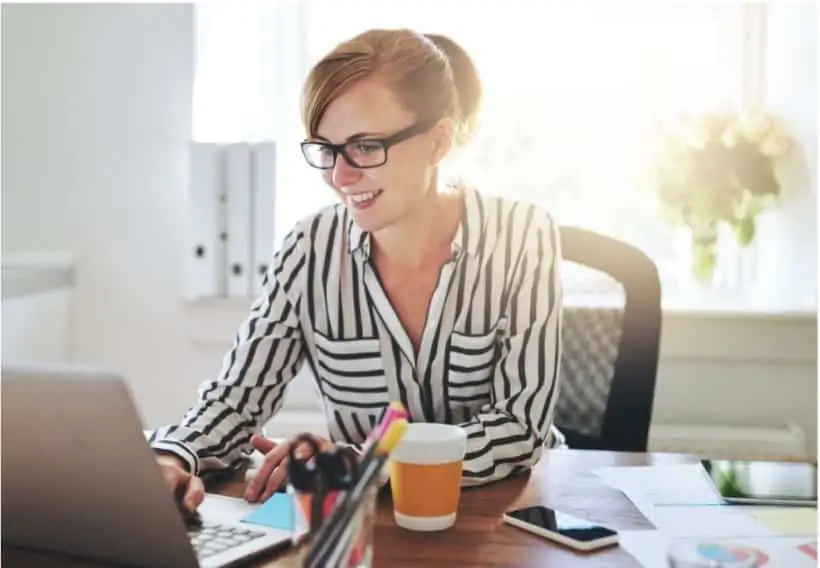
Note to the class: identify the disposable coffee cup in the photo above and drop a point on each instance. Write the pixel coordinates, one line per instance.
(425, 476)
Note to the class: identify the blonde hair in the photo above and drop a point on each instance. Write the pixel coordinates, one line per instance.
(431, 76)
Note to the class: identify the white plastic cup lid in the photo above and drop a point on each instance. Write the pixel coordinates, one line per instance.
(430, 443)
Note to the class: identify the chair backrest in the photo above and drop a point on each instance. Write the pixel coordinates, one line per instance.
(611, 340)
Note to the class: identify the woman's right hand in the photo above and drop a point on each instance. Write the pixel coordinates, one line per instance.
(188, 489)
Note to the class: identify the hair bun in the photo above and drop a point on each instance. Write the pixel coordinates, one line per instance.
(466, 81)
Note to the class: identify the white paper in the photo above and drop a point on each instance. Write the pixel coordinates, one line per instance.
(681, 501)
(664, 485)
(781, 551)
(225, 509)
(786, 521)
(707, 522)
(648, 547)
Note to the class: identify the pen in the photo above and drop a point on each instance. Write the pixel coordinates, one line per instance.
(327, 542)
(394, 412)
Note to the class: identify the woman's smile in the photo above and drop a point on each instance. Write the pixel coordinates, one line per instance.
(362, 200)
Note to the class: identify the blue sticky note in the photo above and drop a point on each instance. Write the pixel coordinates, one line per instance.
(276, 513)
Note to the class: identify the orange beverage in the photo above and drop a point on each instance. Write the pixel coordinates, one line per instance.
(425, 476)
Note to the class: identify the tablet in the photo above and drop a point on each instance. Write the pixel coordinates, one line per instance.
(764, 482)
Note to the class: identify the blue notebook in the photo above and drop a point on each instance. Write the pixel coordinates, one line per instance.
(276, 512)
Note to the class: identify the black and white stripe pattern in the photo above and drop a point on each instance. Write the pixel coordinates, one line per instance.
(488, 358)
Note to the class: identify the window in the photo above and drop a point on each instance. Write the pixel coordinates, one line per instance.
(570, 89)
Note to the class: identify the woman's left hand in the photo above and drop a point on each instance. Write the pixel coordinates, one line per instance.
(274, 471)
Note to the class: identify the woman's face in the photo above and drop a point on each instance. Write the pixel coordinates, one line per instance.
(380, 196)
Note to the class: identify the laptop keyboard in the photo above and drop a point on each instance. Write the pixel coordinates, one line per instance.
(212, 538)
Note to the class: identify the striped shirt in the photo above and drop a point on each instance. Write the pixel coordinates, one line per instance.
(487, 360)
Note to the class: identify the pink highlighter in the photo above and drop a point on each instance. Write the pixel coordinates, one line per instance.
(395, 411)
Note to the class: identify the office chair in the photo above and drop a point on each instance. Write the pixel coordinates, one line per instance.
(611, 338)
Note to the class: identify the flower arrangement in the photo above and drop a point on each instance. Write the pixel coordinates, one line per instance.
(717, 168)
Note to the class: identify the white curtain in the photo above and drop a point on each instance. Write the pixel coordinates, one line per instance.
(569, 87)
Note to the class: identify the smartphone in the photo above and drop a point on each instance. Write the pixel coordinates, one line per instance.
(764, 482)
(562, 528)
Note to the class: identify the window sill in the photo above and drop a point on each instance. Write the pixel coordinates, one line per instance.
(706, 305)
(739, 309)
(37, 273)
(692, 330)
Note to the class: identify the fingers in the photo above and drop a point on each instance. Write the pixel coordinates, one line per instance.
(276, 480)
(174, 476)
(264, 445)
(194, 495)
(273, 473)
(188, 490)
(259, 482)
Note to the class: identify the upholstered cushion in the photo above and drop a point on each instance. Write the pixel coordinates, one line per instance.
(591, 329)
(589, 350)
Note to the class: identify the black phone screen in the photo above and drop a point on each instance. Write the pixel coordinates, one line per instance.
(763, 480)
(561, 523)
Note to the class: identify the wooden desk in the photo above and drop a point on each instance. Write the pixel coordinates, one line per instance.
(563, 479)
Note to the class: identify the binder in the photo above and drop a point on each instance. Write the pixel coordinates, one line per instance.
(264, 191)
(207, 222)
(239, 239)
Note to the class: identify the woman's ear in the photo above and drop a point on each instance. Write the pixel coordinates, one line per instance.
(443, 136)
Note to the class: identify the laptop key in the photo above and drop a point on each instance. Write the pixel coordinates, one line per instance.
(212, 538)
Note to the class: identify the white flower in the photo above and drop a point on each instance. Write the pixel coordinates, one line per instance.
(692, 131)
(729, 137)
(775, 144)
(755, 124)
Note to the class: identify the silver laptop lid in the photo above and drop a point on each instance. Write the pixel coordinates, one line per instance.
(78, 476)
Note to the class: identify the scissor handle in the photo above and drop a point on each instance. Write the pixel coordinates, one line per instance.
(323, 469)
(302, 476)
(308, 477)
(298, 441)
(339, 468)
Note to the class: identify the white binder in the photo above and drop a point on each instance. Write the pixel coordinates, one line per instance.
(264, 187)
(238, 181)
(207, 222)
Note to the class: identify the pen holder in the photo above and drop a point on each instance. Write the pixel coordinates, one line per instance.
(354, 548)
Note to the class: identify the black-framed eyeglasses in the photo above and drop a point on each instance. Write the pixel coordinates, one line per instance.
(361, 152)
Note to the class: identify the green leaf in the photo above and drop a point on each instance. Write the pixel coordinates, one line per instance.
(704, 260)
(727, 484)
(745, 231)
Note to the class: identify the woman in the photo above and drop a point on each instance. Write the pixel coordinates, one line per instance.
(408, 290)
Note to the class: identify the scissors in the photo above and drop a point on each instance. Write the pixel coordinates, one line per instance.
(321, 474)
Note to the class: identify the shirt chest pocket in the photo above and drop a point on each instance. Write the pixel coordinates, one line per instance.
(351, 372)
(472, 362)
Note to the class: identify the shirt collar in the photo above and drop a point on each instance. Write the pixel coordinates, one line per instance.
(356, 238)
(472, 229)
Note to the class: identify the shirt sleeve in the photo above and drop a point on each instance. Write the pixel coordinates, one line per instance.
(508, 434)
(267, 353)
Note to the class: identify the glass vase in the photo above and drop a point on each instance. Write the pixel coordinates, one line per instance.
(737, 263)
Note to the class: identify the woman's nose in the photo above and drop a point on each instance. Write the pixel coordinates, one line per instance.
(343, 173)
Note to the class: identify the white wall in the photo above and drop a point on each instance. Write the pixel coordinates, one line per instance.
(790, 85)
(96, 119)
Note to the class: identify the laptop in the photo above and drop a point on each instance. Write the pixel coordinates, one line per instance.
(79, 478)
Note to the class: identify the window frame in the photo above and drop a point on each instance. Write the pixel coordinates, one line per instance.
(289, 50)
